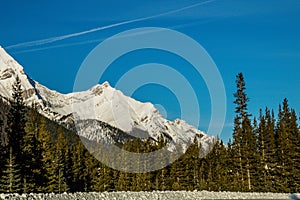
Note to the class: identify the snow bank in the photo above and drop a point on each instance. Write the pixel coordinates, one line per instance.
(172, 195)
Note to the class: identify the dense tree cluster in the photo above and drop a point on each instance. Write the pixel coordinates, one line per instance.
(38, 155)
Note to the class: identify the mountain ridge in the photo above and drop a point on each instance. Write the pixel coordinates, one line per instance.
(109, 105)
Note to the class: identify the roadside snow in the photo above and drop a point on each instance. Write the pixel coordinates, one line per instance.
(172, 195)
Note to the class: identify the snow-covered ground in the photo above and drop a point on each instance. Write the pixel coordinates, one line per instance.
(172, 195)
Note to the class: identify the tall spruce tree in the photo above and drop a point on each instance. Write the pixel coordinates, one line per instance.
(32, 152)
(11, 181)
(216, 168)
(57, 172)
(15, 130)
(244, 141)
(241, 101)
(16, 120)
(284, 148)
(249, 155)
(267, 151)
(295, 153)
(232, 168)
(288, 141)
(47, 155)
(78, 167)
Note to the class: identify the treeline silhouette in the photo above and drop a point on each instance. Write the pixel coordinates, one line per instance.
(39, 155)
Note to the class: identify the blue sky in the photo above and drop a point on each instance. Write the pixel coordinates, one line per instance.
(260, 38)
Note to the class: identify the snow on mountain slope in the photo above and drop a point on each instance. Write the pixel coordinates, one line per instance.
(101, 102)
(9, 69)
(138, 119)
(46, 100)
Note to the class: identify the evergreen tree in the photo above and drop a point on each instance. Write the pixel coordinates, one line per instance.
(288, 148)
(16, 120)
(2, 150)
(284, 148)
(32, 153)
(221, 169)
(232, 169)
(135, 181)
(236, 153)
(47, 155)
(267, 149)
(16, 127)
(181, 171)
(89, 171)
(104, 180)
(241, 99)
(190, 160)
(249, 155)
(124, 182)
(78, 167)
(161, 177)
(57, 173)
(11, 181)
(244, 141)
(294, 137)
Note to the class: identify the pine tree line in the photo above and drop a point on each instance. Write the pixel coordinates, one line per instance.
(38, 155)
(264, 152)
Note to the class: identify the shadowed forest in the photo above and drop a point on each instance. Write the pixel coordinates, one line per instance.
(40, 155)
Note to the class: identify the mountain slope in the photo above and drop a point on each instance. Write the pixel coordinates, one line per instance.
(101, 103)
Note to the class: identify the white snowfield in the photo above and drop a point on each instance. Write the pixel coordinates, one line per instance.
(101, 102)
(171, 195)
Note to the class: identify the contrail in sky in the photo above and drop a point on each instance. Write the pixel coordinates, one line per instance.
(62, 37)
(87, 42)
(102, 39)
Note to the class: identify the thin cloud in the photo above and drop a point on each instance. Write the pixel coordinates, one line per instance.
(102, 39)
(62, 37)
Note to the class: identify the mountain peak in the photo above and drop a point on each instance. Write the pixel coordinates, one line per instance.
(106, 84)
(6, 61)
(9, 70)
(98, 88)
(99, 103)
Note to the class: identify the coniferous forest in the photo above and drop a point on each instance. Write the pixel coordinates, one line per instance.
(39, 155)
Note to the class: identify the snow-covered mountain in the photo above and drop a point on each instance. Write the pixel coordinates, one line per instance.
(101, 103)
